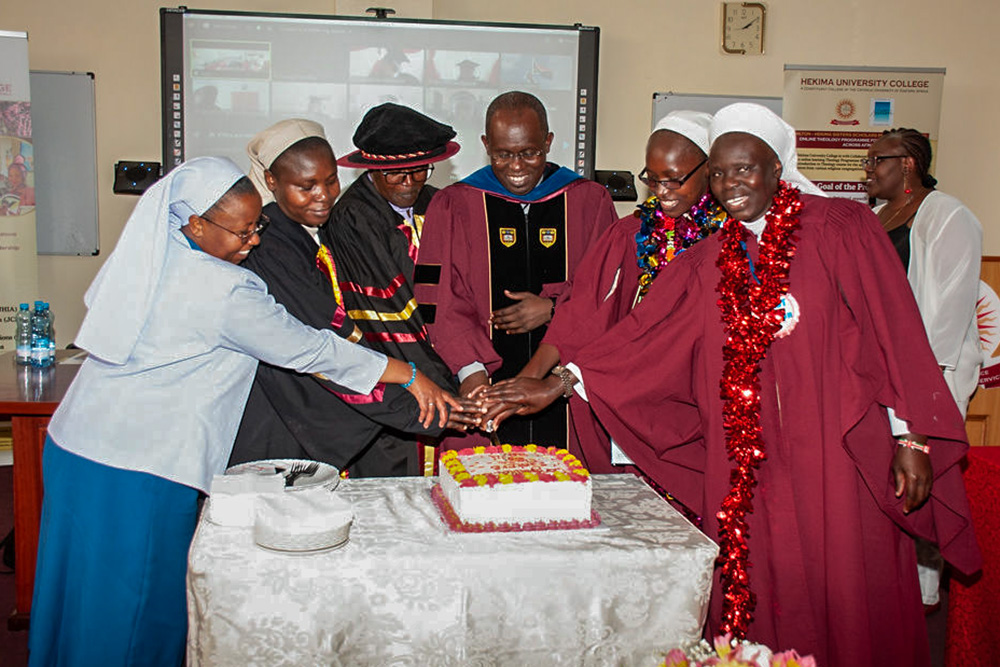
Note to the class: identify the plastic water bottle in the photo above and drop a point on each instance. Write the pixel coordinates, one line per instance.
(52, 333)
(40, 336)
(23, 336)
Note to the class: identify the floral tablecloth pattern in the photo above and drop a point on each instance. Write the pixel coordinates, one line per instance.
(406, 590)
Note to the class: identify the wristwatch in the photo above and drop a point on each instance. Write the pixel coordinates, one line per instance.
(567, 378)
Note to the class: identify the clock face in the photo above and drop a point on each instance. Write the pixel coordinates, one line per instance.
(743, 28)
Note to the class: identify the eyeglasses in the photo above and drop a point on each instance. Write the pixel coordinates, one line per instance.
(668, 183)
(872, 162)
(503, 157)
(418, 175)
(243, 236)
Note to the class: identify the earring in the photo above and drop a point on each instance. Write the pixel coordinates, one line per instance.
(906, 188)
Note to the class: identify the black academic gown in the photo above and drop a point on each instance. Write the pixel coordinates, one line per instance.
(374, 267)
(289, 415)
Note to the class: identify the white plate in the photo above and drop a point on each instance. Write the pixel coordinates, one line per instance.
(303, 552)
(302, 542)
(326, 475)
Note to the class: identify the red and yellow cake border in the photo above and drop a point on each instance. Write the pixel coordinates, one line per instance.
(456, 524)
(451, 461)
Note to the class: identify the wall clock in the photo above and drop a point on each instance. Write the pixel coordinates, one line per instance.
(743, 28)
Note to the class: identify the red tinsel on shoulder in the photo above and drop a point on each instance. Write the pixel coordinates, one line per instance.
(748, 301)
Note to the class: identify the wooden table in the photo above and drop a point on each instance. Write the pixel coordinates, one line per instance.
(28, 397)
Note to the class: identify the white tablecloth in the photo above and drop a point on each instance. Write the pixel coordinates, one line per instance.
(407, 591)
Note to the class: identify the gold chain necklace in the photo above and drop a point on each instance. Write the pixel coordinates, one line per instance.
(887, 223)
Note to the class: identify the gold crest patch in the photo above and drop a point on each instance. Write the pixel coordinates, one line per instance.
(508, 236)
(547, 236)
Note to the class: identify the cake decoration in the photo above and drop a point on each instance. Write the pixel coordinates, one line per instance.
(508, 487)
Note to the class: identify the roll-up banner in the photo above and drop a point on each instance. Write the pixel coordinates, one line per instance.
(18, 259)
(838, 112)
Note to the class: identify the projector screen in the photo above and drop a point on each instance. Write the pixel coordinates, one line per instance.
(226, 76)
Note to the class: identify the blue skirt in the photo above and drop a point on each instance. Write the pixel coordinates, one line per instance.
(112, 560)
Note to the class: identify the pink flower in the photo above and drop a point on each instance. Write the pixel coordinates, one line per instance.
(723, 644)
(792, 659)
(676, 658)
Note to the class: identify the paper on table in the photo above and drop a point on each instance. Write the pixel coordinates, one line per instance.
(306, 512)
(75, 360)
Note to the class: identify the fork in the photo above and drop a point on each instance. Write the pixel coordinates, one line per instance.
(297, 470)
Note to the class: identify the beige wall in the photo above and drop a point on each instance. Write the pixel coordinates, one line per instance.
(646, 46)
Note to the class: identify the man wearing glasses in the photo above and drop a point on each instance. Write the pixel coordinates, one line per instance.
(499, 252)
(375, 228)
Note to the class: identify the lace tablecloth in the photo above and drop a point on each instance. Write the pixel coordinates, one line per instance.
(407, 591)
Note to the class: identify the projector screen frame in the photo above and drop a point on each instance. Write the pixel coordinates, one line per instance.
(581, 146)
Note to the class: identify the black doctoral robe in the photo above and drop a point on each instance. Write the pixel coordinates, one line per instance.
(372, 253)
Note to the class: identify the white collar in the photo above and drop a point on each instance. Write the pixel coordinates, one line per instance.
(756, 227)
(313, 232)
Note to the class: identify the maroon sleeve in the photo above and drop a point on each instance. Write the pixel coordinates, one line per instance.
(897, 362)
(604, 286)
(645, 368)
(451, 279)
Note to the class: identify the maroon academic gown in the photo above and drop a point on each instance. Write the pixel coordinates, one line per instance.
(604, 288)
(458, 300)
(833, 570)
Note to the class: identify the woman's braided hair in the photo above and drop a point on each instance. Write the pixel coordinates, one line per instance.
(917, 146)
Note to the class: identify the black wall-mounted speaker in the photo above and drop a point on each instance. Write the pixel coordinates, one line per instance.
(620, 184)
(132, 178)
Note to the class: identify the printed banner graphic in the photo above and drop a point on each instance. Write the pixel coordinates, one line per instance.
(839, 113)
(18, 259)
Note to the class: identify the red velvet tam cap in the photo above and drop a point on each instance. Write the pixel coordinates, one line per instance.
(392, 136)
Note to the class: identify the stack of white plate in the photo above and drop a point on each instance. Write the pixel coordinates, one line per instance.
(306, 522)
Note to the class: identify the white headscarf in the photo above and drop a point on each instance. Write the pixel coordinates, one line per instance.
(267, 145)
(119, 300)
(690, 124)
(764, 124)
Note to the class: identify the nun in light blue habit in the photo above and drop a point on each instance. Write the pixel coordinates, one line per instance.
(174, 331)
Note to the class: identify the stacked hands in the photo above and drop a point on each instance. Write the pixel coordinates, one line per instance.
(522, 395)
(483, 406)
(533, 389)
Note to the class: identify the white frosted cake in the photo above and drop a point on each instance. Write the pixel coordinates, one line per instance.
(516, 486)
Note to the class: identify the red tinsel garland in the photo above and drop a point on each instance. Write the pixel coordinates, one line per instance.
(749, 313)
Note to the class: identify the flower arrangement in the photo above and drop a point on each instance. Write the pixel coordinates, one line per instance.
(727, 652)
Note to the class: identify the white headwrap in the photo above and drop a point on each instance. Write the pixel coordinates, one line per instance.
(267, 145)
(764, 124)
(690, 124)
(121, 296)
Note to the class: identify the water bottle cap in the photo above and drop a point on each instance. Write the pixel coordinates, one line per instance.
(24, 306)
(38, 303)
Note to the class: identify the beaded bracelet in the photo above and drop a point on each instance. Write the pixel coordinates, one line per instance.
(913, 444)
(412, 377)
(567, 379)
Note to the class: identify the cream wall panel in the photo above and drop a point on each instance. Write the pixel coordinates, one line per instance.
(646, 46)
